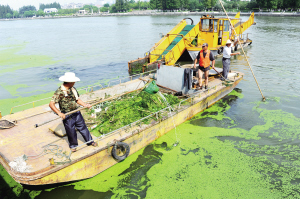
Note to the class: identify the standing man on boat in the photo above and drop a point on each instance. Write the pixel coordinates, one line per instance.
(68, 99)
(204, 57)
(226, 57)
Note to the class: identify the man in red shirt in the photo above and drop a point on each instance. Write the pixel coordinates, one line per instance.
(204, 57)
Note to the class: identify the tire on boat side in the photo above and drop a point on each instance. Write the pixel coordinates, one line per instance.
(123, 147)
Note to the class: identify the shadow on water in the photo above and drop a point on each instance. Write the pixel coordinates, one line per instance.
(10, 189)
(210, 116)
(133, 180)
(70, 192)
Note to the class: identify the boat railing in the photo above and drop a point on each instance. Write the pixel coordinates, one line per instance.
(138, 122)
(91, 88)
(243, 37)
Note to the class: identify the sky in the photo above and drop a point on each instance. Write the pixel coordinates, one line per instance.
(16, 4)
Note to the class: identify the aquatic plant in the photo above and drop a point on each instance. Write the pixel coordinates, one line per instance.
(125, 110)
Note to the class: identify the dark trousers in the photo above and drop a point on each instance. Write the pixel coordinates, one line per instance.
(73, 121)
(226, 66)
(188, 77)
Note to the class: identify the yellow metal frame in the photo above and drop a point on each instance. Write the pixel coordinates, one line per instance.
(243, 27)
(172, 56)
(163, 44)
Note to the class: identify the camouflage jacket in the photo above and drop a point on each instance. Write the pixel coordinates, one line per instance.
(66, 99)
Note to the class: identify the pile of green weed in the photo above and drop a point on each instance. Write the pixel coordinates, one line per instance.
(127, 109)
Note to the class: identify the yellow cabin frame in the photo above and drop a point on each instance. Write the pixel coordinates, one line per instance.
(214, 31)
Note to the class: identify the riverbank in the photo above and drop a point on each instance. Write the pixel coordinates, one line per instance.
(153, 13)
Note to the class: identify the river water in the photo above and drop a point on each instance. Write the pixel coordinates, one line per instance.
(239, 148)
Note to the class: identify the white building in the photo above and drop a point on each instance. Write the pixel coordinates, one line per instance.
(72, 5)
(82, 12)
(49, 10)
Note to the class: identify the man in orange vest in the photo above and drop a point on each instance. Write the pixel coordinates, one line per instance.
(204, 57)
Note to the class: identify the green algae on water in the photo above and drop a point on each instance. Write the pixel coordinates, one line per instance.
(12, 60)
(12, 89)
(7, 104)
(214, 162)
(10, 189)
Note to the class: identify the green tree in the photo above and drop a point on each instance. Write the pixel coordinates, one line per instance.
(113, 8)
(153, 4)
(29, 13)
(26, 8)
(185, 4)
(16, 14)
(145, 5)
(4, 10)
(95, 9)
(251, 5)
(207, 4)
(107, 5)
(8, 15)
(103, 9)
(234, 5)
(51, 5)
(200, 6)
(40, 13)
(228, 6)
(272, 4)
(52, 14)
(193, 5)
(172, 5)
(121, 5)
(242, 6)
(67, 11)
(218, 7)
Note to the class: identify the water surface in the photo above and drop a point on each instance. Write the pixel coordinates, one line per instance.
(239, 148)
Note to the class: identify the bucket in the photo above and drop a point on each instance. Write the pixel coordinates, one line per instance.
(152, 88)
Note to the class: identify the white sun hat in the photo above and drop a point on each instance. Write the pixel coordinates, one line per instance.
(69, 77)
(228, 42)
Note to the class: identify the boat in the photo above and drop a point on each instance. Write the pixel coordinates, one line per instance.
(40, 146)
(184, 41)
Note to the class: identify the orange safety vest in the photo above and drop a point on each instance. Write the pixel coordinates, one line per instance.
(204, 61)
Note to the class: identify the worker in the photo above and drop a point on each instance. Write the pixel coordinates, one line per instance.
(68, 99)
(226, 57)
(204, 57)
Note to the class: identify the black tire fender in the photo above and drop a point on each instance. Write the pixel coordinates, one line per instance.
(120, 146)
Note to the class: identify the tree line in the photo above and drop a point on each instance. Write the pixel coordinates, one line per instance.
(50, 5)
(278, 4)
(163, 5)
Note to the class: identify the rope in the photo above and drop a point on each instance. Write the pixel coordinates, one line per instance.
(243, 52)
(52, 149)
(19, 163)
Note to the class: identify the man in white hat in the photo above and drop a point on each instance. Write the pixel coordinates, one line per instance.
(68, 99)
(226, 57)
